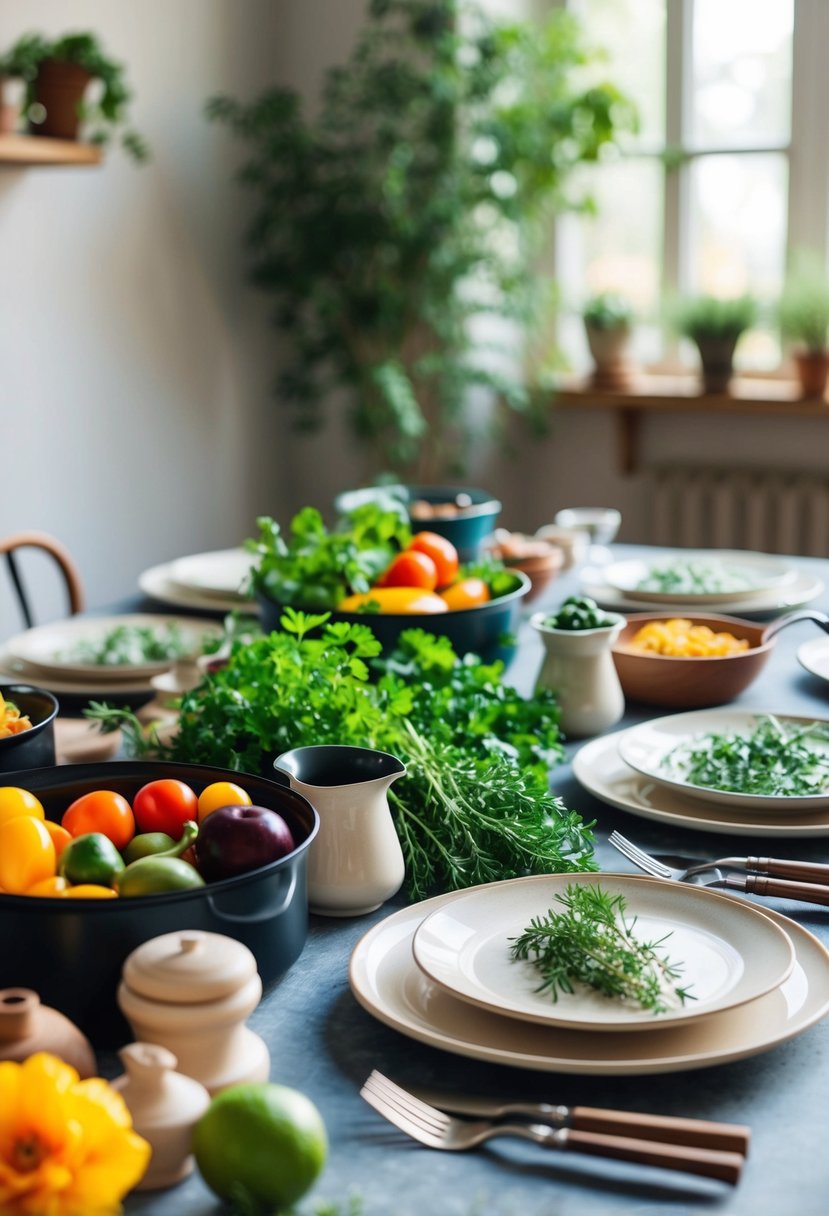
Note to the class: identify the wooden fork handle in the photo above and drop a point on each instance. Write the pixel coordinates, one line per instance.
(711, 1163)
(803, 892)
(803, 871)
(698, 1133)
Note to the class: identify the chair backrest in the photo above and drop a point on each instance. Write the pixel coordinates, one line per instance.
(10, 547)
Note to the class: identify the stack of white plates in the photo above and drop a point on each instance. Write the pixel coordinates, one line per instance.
(214, 582)
(736, 582)
(441, 972)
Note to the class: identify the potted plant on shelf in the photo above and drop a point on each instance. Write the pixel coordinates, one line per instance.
(408, 208)
(715, 324)
(804, 319)
(58, 74)
(608, 319)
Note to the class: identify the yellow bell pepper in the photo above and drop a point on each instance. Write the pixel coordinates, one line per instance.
(404, 600)
(27, 854)
(54, 887)
(90, 890)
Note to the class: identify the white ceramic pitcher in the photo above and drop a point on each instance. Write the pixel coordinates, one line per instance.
(355, 863)
(578, 666)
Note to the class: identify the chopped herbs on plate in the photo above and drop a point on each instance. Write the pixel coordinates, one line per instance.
(590, 942)
(696, 578)
(776, 758)
(130, 645)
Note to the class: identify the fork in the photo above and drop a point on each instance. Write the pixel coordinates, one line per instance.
(682, 868)
(750, 884)
(435, 1129)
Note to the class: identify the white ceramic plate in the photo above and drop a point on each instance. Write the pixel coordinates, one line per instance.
(388, 983)
(16, 669)
(158, 585)
(647, 747)
(814, 656)
(48, 648)
(600, 770)
(761, 606)
(746, 573)
(220, 573)
(726, 953)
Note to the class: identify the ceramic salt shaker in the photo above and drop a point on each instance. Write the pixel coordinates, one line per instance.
(165, 1107)
(27, 1027)
(191, 991)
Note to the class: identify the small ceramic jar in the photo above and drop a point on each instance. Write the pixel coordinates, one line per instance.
(165, 1107)
(190, 992)
(578, 667)
(27, 1027)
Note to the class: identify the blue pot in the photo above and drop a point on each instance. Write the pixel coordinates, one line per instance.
(466, 531)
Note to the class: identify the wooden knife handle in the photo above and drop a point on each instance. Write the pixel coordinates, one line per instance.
(698, 1133)
(803, 871)
(706, 1161)
(803, 892)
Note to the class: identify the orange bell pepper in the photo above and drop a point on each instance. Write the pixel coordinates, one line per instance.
(404, 600)
(27, 854)
(60, 837)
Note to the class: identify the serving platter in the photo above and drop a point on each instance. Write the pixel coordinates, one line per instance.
(387, 982)
(157, 583)
(600, 770)
(647, 748)
(741, 576)
(763, 605)
(725, 953)
(221, 573)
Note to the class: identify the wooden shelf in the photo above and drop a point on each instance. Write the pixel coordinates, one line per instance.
(680, 394)
(37, 150)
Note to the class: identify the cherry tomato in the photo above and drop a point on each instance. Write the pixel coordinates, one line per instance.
(165, 806)
(468, 593)
(442, 552)
(101, 811)
(221, 793)
(27, 854)
(411, 569)
(14, 801)
(60, 837)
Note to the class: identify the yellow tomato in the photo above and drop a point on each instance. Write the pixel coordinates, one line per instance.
(90, 890)
(468, 593)
(54, 887)
(405, 600)
(221, 793)
(27, 854)
(15, 801)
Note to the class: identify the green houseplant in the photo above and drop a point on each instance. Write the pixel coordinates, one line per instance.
(715, 324)
(608, 319)
(58, 74)
(804, 320)
(406, 210)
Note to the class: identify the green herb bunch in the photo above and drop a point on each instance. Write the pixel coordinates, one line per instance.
(475, 804)
(590, 942)
(775, 759)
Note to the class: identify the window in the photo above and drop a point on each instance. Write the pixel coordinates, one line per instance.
(727, 175)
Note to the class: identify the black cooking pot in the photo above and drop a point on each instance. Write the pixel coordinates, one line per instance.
(34, 747)
(71, 951)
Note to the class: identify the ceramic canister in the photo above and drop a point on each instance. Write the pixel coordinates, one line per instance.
(190, 992)
(27, 1027)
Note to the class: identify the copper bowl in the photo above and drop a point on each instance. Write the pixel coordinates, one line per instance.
(690, 682)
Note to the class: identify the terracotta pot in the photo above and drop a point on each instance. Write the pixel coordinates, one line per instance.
(717, 358)
(812, 371)
(60, 89)
(27, 1027)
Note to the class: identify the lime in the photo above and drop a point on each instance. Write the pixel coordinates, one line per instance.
(261, 1146)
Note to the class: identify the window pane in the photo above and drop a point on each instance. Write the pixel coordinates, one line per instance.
(742, 57)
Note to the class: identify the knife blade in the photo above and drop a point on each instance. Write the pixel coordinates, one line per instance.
(670, 1129)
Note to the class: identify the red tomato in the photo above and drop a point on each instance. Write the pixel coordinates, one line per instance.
(468, 593)
(165, 806)
(442, 552)
(412, 569)
(101, 811)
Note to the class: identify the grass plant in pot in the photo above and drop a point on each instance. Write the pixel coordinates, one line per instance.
(59, 76)
(804, 321)
(608, 319)
(715, 324)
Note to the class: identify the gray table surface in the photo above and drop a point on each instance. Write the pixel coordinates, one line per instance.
(323, 1043)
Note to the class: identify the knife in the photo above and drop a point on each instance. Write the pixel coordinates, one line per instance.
(670, 1129)
(758, 884)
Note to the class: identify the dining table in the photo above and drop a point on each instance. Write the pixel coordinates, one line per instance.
(323, 1042)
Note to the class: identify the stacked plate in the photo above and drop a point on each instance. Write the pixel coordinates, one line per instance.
(58, 656)
(749, 585)
(213, 582)
(441, 972)
(632, 770)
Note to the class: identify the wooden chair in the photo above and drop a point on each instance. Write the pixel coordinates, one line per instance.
(9, 548)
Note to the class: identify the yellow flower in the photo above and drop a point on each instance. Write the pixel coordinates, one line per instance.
(67, 1147)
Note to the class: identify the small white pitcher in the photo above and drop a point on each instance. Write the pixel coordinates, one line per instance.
(578, 666)
(355, 863)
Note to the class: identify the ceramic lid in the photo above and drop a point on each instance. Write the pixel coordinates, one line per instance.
(188, 967)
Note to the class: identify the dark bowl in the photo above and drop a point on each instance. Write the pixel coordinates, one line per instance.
(467, 530)
(71, 951)
(483, 630)
(33, 748)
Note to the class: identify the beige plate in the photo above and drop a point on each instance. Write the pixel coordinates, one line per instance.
(16, 669)
(814, 656)
(802, 590)
(220, 573)
(599, 768)
(387, 982)
(158, 584)
(727, 953)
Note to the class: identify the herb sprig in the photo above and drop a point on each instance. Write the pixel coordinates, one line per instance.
(590, 942)
(775, 759)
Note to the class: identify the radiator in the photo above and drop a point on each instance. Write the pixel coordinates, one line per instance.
(771, 510)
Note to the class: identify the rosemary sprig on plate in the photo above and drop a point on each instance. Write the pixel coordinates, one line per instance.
(591, 942)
